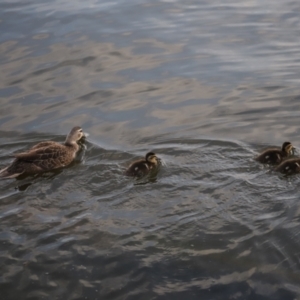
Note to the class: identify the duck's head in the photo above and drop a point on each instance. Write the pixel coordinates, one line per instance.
(288, 148)
(152, 158)
(75, 135)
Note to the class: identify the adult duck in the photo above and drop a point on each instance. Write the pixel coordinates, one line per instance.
(45, 156)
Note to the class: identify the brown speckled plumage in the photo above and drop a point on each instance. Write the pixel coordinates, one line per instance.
(289, 166)
(144, 166)
(276, 155)
(44, 156)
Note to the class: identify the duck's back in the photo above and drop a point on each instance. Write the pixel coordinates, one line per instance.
(271, 156)
(138, 168)
(48, 157)
(44, 144)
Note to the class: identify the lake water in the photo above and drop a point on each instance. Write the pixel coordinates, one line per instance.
(204, 84)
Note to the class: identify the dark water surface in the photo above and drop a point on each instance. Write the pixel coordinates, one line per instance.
(205, 84)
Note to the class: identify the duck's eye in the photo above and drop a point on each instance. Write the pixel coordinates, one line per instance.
(80, 130)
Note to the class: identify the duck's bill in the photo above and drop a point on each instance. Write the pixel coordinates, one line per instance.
(294, 150)
(162, 162)
(85, 135)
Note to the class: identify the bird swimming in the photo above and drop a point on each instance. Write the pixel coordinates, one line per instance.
(276, 155)
(142, 167)
(289, 166)
(45, 156)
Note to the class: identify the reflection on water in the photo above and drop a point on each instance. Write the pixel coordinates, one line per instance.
(204, 85)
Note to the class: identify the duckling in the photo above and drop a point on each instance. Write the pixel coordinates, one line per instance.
(45, 156)
(144, 166)
(276, 155)
(289, 166)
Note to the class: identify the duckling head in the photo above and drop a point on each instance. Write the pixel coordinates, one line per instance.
(152, 158)
(288, 148)
(74, 136)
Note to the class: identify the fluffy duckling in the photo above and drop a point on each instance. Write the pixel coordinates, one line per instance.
(45, 156)
(289, 166)
(276, 155)
(144, 166)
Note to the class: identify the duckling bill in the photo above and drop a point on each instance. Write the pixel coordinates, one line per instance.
(142, 167)
(276, 155)
(45, 156)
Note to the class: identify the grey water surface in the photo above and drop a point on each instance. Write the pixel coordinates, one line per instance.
(204, 84)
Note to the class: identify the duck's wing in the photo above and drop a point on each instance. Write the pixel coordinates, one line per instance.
(39, 159)
(42, 153)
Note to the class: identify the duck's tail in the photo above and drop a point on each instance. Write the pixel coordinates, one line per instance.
(5, 174)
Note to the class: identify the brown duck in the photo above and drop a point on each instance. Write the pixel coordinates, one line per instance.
(45, 156)
(289, 166)
(276, 155)
(142, 167)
